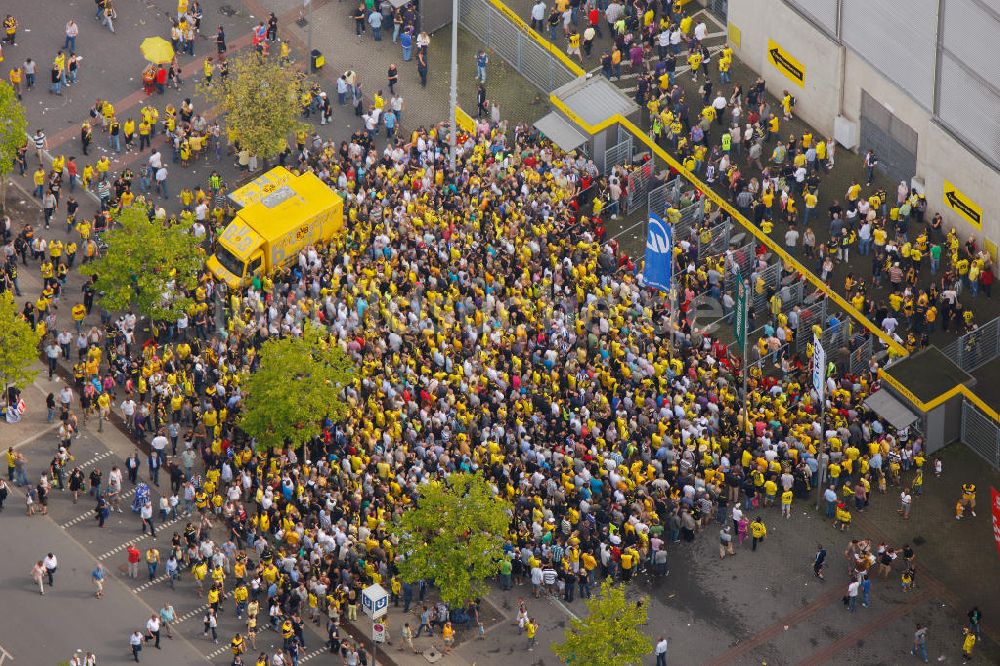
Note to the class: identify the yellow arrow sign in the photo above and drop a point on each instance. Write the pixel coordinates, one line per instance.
(963, 205)
(785, 63)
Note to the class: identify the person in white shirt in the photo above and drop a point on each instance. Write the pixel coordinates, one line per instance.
(661, 652)
(51, 564)
(538, 16)
(153, 628)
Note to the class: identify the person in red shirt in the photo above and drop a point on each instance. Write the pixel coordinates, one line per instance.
(133, 561)
(161, 79)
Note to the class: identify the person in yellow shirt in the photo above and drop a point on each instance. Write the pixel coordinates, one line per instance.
(786, 504)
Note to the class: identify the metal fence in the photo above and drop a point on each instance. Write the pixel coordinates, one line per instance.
(976, 348)
(981, 434)
(639, 180)
(809, 314)
(718, 239)
(860, 355)
(509, 37)
(620, 153)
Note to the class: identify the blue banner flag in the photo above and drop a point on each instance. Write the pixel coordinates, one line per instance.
(659, 254)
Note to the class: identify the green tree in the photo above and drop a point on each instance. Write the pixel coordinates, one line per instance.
(454, 536)
(147, 266)
(609, 635)
(260, 102)
(13, 129)
(18, 345)
(297, 384)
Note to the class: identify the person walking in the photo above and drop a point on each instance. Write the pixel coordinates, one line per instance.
(97, 576)
(38, 575)
(757, 531)
(135, 642)
(726, 542)
(975, 618)
(146, 513)
(968, 642)
(153, 630)
(919, 648)
(167, 618)
(51, 564)
(133, 555)
(660, 650)
(481, 61)
(152, 560)
(852, 595)
(820, 562)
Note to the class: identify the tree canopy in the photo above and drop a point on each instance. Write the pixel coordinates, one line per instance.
(297, 384)
(13, 129)
(454, 536)
(610, 633)
(260, 102)
(147, 266)
(18, 345)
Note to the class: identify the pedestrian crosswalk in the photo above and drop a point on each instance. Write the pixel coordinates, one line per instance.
(90, 514)
(121, 547)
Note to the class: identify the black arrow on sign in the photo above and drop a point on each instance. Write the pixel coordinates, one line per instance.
(956, 202)
(780, 59)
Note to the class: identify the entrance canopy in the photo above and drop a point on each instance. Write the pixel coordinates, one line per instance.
(887, 407)
(560, 132)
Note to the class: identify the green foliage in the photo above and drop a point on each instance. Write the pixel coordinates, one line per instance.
(18, 345)
(144, 265)
(260, 102)
(454, 536)
(298, 383)
(609, 635)
(13, 126)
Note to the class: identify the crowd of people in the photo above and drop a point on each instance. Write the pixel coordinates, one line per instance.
(919, 276)
(494, 328)
(492, 331)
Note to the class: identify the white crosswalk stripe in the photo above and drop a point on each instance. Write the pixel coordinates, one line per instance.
(120, 548)
(90, 514)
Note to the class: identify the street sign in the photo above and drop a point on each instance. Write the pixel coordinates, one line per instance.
(375, 601)
(819, 367)
(740, 317)
(378, 632)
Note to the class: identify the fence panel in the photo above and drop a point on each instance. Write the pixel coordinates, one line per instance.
(510, 38)
(976, 348)
(718, 242)
(981, 434)
(620, 153)
(638, 184)
(809, 315)
(861, 355)
(771, 276)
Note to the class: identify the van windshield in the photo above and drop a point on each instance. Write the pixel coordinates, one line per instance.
(229, 261)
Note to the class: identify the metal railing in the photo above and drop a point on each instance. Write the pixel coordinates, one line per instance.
(507, 35)
(976, 348)
(981, 434)
(618, 154)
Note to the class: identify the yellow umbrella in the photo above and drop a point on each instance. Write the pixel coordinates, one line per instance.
(157, 50)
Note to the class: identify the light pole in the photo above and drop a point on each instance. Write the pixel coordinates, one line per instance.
(453, 138)
(307, 4)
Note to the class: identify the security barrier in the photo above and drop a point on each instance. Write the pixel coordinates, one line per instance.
(976, 348)
(534, 58)
(981, 433)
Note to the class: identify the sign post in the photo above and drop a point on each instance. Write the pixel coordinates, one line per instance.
(740, 318)
(375, 604)
(995, 496)
(819, 384)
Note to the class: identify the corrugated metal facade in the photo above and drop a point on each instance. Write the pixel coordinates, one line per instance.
(954, 75)
(896, 38)
(822, 12)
